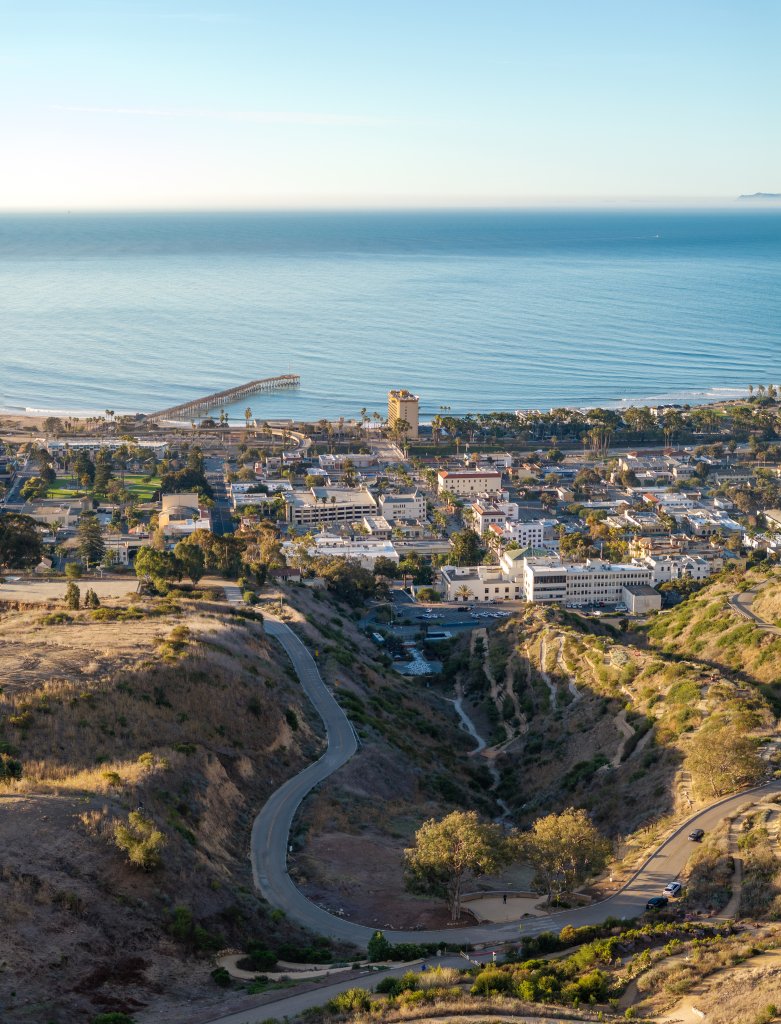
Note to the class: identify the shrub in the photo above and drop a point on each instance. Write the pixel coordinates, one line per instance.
(221, 977)
(493, 981)
(113, 1018)
(260, 958)
(185, 748)
(352, 1001)
(140, 839)
(55, 619)
(183, 928)
(10, 768)
(72, 596)
(378, 948)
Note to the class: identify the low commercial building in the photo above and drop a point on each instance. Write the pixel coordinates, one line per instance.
(92, 445)
(489, 460)
(411, 505)
(665, 568)
(365, 551)
(599, 582)
(640, 599)
(338, 462)
(182, 514)
(377, 527)
(478, 583)
(646, 524)
(323, 505)
(124, 547)
(492, 513)
(469, 483)
(707, 522)
(543, 579)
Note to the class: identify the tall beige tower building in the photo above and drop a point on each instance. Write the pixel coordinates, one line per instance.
(403, 405)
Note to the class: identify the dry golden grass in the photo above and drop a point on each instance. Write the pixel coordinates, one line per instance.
(744, 994)
(767, 603)
(187, 714)
(473, 1010)
(663, 985)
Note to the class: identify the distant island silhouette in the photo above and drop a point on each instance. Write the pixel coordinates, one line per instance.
(762, 195)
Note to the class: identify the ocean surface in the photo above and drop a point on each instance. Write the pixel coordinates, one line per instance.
(471, 310)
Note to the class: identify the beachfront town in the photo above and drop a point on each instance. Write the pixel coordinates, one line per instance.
(603, 512)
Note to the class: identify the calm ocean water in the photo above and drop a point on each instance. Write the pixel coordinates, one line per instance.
(473, 310)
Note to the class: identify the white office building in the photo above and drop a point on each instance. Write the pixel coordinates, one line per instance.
(665, 568)
(468, 484)
(492, 513)
(403, 506)
(365, 551)
(543, 580)
(323, 505)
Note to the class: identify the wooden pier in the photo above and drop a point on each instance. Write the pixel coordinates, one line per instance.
(201, 406)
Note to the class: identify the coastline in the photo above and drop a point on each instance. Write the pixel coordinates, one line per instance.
(32, 418)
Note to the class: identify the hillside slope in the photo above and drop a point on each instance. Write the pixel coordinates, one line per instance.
(184, 712)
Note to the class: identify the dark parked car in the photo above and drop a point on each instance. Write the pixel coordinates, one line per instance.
(696, 835)
(657, 903)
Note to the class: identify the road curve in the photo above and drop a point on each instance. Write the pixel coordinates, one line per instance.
(271, 829)
(270, 836)
(742, 603)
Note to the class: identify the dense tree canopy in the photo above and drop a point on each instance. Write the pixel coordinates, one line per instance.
(564, 850)
(91, 544)
(449, 852)
(20, 542)
(722, 758)
(466, 548)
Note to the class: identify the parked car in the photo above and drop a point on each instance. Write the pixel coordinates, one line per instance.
(672, 889)
(696, 835)
(657, 903)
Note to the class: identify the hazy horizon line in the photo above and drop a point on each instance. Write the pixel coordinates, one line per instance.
(585, 204)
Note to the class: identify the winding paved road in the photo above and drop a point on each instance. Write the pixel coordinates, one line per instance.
(270, 836)
(271, 830)
(742, 604)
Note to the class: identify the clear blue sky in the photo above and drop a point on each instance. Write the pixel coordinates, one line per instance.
(185, 103)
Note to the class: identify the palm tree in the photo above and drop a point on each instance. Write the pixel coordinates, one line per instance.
(463, 593)
(247, 417)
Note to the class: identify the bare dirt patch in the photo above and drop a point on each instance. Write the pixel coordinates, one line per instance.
(361, 877)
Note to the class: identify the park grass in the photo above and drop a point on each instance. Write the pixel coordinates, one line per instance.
(135, 484)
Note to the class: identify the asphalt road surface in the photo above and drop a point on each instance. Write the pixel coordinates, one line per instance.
(270, 837)
(742, 603)
(222, 518)
(271, 830)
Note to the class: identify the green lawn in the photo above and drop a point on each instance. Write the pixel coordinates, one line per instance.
(138, 486)
(67, 488)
